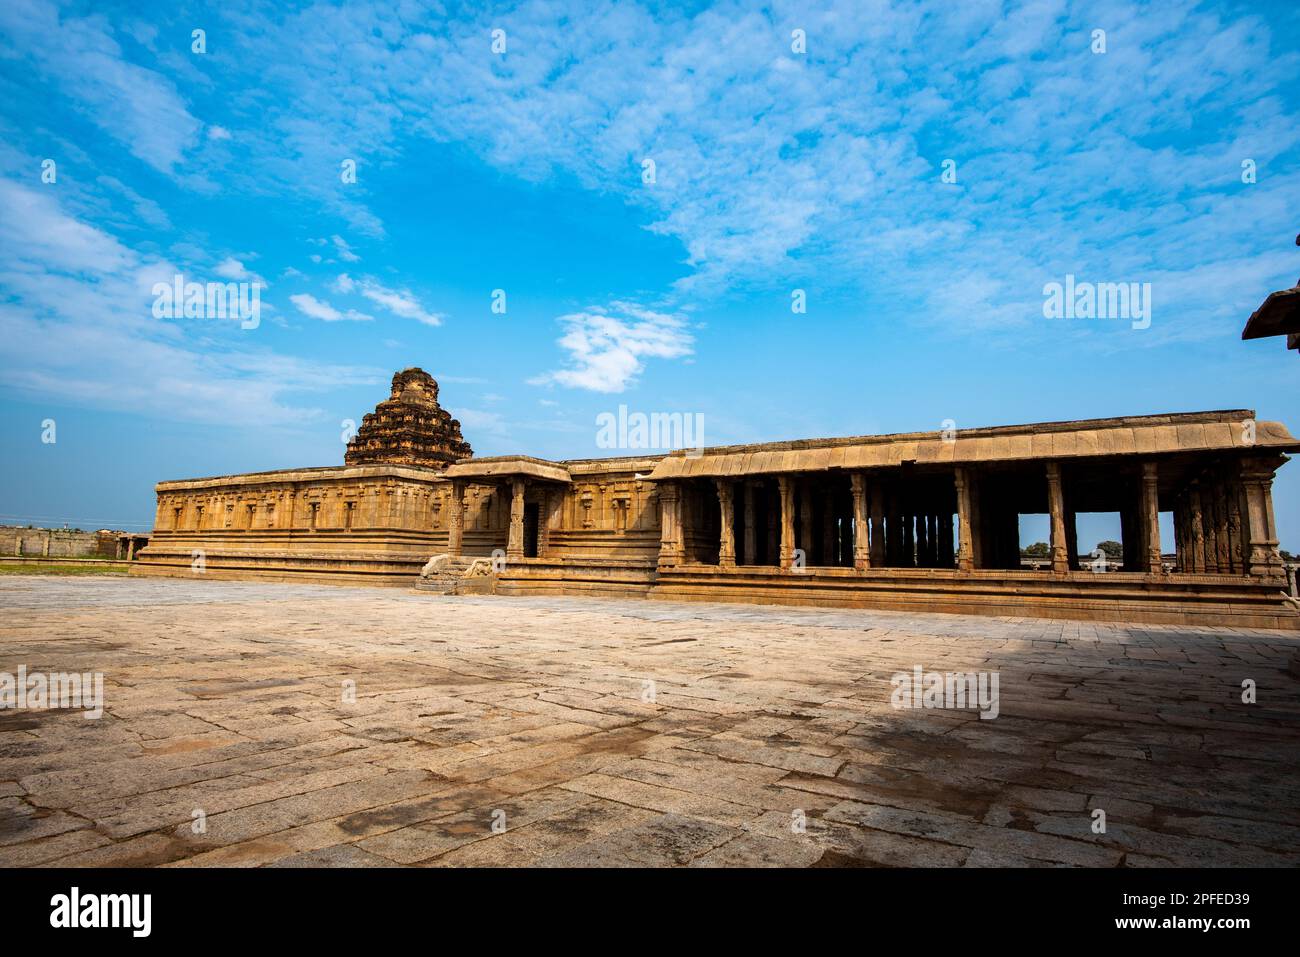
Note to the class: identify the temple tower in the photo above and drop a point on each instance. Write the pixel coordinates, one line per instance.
(409, 428)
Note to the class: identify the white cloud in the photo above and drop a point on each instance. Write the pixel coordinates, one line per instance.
(232, 268)
(776, 169)
(608, 346)
(400, 303)
(344, 250)
(309, 305)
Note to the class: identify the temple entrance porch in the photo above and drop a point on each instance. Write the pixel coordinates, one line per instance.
(534, 491)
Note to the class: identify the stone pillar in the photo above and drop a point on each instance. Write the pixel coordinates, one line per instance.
(965, 542)
(671, 548)
(727, 536)
(130, 549)
(456, 518)
(1215, 510)
(1196, 522)
(861, 545)
(1208, 523)
(1056, 506)
(785, 487)
(1236, 550)
(1149, 518)
(1260, 525)
(749, 543)
(515, 536)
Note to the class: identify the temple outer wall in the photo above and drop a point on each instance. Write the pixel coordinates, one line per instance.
(787, 526)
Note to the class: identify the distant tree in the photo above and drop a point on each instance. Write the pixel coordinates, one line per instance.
(1036, 550)
(1286, 556)
(1113, 550)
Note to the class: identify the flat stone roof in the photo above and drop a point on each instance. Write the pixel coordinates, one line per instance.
(288, 476)
(1128, 435)
(508, 466)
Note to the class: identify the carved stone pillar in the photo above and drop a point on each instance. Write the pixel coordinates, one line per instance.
(1056, 506)
(1236, 550)
(749, 542)
(785, 487)
(1150, 517)
(1260, 525)
(1196, 521)
(861, 545)
(727, 534)
(1208, 521)
(456, 518)
(1222, 549)
(671, 551)
(515, 537)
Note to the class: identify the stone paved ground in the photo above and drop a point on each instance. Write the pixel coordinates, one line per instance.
(227, 698)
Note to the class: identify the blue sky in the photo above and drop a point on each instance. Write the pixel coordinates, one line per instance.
(775, 170)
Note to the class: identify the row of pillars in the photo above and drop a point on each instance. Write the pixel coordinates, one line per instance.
(1224, 522)
(877, 528)
(900, 536)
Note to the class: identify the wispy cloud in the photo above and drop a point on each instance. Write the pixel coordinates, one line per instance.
(76, 325)
(139, 107)
(823, 169)
(309, 305)
(608, 346)
(401, 303)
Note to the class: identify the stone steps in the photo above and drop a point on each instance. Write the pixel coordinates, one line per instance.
(459, 575)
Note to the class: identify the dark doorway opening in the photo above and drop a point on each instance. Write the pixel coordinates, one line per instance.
(532, 520)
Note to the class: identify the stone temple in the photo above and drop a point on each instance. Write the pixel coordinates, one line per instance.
(925, 521)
